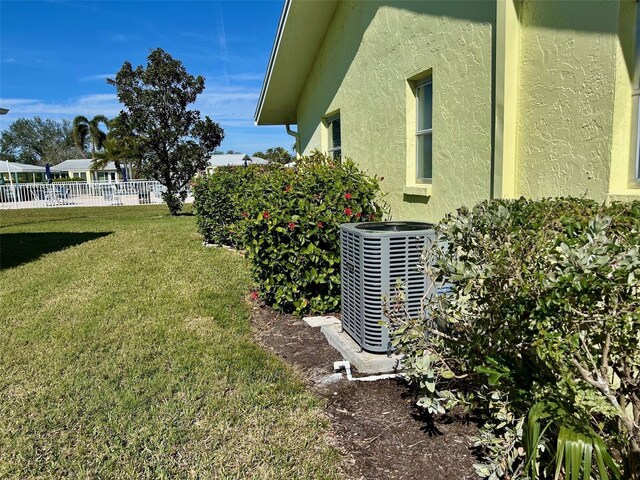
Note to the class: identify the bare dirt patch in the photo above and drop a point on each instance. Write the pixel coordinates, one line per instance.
(375, 424)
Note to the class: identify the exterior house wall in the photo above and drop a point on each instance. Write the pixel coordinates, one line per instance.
(78, 173)
(568, 65)
(363, 69)
(571, 103)
(623, 184)
(91, 176)
(22, 177)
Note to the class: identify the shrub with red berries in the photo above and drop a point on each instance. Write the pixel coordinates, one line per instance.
(291, 232)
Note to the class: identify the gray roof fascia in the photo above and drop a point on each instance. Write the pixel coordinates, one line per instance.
(301, 33)
(272, 59)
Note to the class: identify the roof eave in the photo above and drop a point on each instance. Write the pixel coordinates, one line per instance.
(272, 58)
(301, 30)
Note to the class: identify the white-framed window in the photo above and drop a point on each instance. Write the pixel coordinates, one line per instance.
(424, 130)
(334, 134)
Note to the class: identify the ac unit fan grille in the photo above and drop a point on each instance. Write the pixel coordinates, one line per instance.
(372, 265)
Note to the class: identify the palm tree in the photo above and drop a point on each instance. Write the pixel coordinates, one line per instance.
(85, 129)
(116, 147)
(113, 151)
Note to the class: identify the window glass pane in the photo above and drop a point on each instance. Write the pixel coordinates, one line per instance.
(334, 126)
(424, 157)
(425, 106)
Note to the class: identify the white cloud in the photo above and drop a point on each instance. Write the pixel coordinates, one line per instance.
(246, 77)
(87, 105)
(119, 37)
(99, 76)
(231, 106)
(226, 105)
(222, 35)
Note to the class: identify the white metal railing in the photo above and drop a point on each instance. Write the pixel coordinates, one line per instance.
(80, 194)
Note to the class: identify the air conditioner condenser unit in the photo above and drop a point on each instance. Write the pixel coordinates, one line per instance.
(374, 257)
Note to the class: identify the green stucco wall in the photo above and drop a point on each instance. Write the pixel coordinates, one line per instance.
(566, 97)
(369, 52)
(573, 97)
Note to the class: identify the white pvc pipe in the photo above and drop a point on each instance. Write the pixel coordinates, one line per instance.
(372, 378)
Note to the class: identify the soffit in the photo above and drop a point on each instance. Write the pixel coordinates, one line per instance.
(301, 31)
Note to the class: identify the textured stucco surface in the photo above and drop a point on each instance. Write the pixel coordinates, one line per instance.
(362, 70)
(566, 97)
(572, 98)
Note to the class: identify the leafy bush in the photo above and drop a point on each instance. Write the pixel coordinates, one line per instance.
(542, 320)
(288, 221)
(218, 201)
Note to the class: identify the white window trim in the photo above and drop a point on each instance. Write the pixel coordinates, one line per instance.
(424, 132)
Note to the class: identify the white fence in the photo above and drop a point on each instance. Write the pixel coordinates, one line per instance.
(80, 194)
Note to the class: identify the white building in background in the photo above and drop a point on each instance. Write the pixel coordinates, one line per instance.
(81, 168)
(21, 173)
(233, 159)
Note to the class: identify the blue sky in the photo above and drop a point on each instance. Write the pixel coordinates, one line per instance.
(55, 56)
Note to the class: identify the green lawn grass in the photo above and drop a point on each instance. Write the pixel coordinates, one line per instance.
(126, 352)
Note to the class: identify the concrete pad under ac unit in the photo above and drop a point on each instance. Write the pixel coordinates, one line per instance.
(321, 321)
(364, 362)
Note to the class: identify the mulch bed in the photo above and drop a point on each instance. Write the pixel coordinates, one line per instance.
(375, 424)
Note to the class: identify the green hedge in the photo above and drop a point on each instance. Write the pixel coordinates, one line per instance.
(539, 291)
(288, 221)
(218, 200)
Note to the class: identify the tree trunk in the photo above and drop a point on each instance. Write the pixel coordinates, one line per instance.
(93, 157)
(170, 196)
(633, 460)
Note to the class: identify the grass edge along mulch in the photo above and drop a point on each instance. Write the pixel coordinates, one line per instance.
(127, 353)
(377, 426)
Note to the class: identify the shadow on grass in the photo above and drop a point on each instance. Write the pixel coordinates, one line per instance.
(19, 248)
(39, 221)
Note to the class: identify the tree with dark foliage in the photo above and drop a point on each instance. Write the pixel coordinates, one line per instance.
(276, 155)
(171, 142)
(116, 148)
(38, 141)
